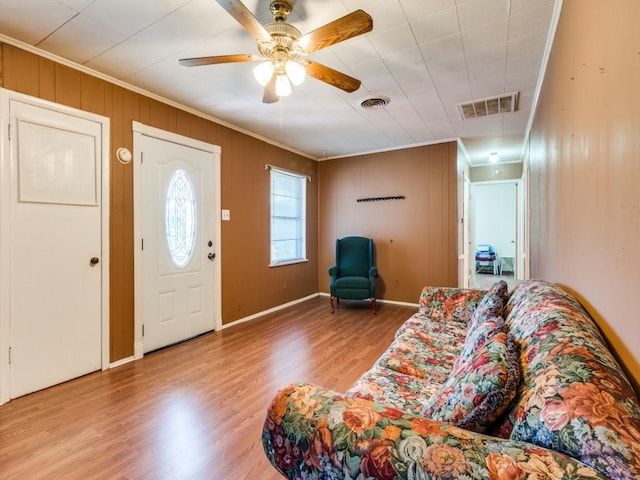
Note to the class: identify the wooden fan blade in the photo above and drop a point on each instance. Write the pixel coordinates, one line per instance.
(196, 62)
(245, 18)
(331, 76)
(349, 26)
(270, 90)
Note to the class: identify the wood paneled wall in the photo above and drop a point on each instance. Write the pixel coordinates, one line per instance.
(493, 173)
(584, 165)
(415, 238)
(248, 284)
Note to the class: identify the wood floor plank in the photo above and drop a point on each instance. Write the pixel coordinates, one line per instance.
(195, 410)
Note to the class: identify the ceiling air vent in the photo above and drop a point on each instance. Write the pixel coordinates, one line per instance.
(375, 102)
(489, 106)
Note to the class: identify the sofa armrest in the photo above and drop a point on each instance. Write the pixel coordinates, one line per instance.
(311, 432)
(449, 303)
(373, 272)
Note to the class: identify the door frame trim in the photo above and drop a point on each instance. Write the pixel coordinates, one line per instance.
(6, 96)
(520, 260)
(140, 130)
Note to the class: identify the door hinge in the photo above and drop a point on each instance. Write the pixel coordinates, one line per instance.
(141, 158)
(143, 329)
(142, 244)
(9, 355)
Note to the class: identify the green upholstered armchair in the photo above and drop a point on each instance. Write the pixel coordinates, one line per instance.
(354, 274)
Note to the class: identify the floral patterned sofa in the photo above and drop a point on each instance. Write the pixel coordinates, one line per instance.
(475, 385)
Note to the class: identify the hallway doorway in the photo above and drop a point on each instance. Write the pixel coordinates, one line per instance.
(496, 218)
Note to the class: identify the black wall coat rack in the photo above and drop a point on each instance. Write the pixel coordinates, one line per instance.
(378, 199)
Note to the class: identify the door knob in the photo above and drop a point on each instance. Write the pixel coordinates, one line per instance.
(94, 261)
(211, 256)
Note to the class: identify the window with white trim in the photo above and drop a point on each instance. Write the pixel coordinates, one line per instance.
(288, 217)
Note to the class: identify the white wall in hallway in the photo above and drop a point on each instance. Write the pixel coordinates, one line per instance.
(495, 217)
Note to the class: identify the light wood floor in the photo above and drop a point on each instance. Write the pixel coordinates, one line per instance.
(484, 281)
(195, 410)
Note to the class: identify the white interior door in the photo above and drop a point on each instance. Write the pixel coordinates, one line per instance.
(178, 240)
(55, 265)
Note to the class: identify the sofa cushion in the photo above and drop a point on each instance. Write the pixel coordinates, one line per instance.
(485, 321)
(481, 386)
(492, 304)
(389, 387)
(419, 322)
(352, 282)
(573, 396)
(425, 348)
(478, 335)
(423, 355)
(449, 303)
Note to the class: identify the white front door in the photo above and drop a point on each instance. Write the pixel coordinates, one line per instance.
(178, 241)
(55, 247)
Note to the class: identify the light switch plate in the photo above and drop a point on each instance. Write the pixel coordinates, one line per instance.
(226, 214)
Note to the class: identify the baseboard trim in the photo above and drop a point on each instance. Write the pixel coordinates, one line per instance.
(271, 310)
(396, 302)
(122, 361)
(379, 300)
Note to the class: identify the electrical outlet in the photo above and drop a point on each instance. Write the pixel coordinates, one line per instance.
(226, 214)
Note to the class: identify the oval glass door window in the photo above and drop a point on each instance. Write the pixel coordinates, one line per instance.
(180, 217)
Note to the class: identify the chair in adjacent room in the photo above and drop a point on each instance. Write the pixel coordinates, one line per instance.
(354, 275)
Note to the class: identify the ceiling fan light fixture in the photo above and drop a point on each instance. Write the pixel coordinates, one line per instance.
(295, 72)
(263, 73)
(283, 86)
(282, 48)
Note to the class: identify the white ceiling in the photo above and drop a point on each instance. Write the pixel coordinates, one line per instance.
(425, 55)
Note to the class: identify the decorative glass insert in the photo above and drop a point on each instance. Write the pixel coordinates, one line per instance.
(180, 217)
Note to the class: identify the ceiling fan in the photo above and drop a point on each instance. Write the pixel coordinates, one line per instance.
(283, 49)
